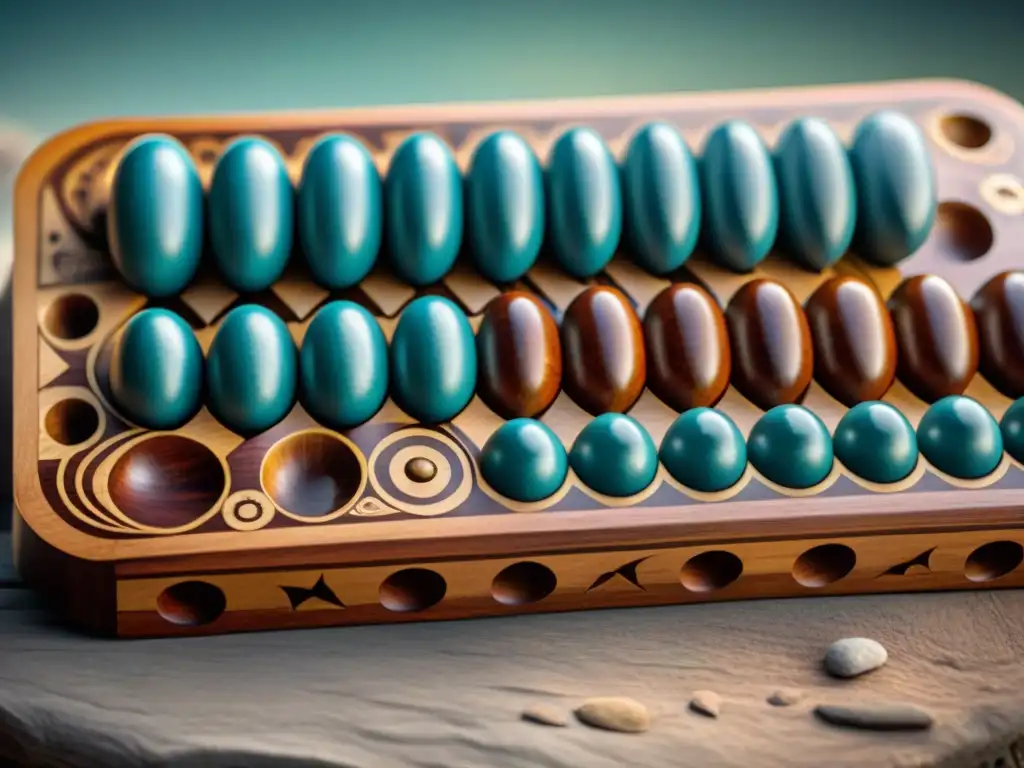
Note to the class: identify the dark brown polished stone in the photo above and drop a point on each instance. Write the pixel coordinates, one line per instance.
(772, 354)
(687, 344)
(603, 351)
(936, 337)
(519, 355)
(854, 342)
(999, 313)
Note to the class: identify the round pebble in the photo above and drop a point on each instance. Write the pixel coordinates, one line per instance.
(707, 703)
(960, 437)
(524, 461)
(1012, 430)
(614, 456)
(704, 450)
(877, 717)
(614, 714)
(785, 697)
(854, 656)
(791, 446)
(875, 441)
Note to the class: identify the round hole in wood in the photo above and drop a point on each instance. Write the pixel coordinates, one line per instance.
(312, 474)
(824, 564)
(412, 589)
(709, 571)
(166, 481)
(191, 603)
(966, 131)
(523, 583)
(71, 316)
(993, 560)
(71, 421)
(963, 231)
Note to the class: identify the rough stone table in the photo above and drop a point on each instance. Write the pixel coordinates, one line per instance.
(450, 694)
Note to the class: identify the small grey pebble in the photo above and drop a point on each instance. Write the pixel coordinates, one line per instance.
(706, 703)
(614, 714)
(853, 656)
(545, 714)
(785, 697)
(880, 717)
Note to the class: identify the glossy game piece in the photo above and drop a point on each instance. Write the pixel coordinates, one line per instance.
(155, 223)
(519, 344)
(340, 212)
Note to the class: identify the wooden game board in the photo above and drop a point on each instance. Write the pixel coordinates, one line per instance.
(216, 543)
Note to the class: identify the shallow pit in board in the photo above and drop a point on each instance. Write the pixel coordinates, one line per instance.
(71, 317)
(966, 131)
(523, 583)
(71, 421)
(412, 589)
(823, 565)
(993, 560)
(191, 603)
(312, 474)
(166, 481)
(962, 231)
(710, 571)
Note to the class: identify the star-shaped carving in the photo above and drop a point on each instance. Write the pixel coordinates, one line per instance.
(627, 571)
(299, 595)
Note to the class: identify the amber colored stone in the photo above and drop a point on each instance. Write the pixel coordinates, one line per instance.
(603, 351)
(936, 337)
(854, 343)
(520, 356)
(999, 314)
(687, 344)
(772, 354)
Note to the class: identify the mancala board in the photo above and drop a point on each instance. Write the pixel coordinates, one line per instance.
(437, 362)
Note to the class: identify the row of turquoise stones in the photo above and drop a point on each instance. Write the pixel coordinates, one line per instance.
(789, 445)
(810, 193)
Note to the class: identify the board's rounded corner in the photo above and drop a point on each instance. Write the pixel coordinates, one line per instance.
(975, 90)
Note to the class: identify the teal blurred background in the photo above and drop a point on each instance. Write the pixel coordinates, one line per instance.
(62, 63)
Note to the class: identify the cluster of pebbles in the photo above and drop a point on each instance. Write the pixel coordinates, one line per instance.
(845, 659)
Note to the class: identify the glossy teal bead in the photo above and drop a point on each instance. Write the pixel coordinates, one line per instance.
(424, 218)
(817, 199)
(585, 202)
(251, 210)
(875, 441)
(339, 204)
(1012, 429)
(661, 198)
(741, 201)
(614, 455)
(343, 366)
(896, 190)
(791, 446)
(704, 450)
(251, 370)
(156, 370)
(960, 437)
(524, 461)
(155, 219)
(433, 360)
(504, 207)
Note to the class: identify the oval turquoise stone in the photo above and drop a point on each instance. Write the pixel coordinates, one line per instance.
(339, 206)
(704, 450)
(155, 218)
(817, 200)
(1012, 429)
(251, 370)
(896, 192)
(504, 207)
(251, 211)
(661, 198)
(791, 446)
(343, 366)
(156, 370)
(960, 437)
(741, 201)
(614, 456)
(585, 202)
(524, 461)
(875, 441)
(433, 360)
(424, 218)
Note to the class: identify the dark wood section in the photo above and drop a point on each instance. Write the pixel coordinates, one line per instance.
(854, 342)
(772, 354)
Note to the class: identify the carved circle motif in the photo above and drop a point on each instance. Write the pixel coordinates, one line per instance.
(248, 511)
(450, 486)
